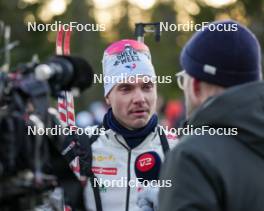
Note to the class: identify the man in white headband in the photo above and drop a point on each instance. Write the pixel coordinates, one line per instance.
(129, 154)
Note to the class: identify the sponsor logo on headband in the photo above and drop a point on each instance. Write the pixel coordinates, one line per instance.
(127, 56)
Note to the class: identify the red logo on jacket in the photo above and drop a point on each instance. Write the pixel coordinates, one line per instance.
(145, 162)
(106, 171)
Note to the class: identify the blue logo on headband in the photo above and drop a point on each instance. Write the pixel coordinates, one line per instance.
(131, 66)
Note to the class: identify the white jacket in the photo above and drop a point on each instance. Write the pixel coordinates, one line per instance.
(113, 165)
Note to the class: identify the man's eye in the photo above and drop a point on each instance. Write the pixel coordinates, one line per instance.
(125, 88)
(147, 86)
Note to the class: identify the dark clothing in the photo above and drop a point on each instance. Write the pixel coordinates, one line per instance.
(214, 172)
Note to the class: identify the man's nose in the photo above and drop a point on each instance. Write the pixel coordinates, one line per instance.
(138, 96)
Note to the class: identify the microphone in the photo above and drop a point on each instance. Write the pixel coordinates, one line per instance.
(147, 166)
(65, 73)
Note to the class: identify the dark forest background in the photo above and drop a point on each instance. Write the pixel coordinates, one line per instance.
(119, 17)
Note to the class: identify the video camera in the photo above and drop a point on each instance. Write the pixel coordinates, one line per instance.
(31, 166)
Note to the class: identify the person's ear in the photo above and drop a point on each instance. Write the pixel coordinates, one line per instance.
(196, 87)
(197, 90)
(107, 100)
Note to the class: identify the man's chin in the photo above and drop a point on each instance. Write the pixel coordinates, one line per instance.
(139, 123)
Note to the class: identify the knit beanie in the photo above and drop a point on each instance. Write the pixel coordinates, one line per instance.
(223, 53)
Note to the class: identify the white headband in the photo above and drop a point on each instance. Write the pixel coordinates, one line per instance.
(125, 62)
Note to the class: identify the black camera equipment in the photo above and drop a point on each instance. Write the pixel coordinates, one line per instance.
(31, 166)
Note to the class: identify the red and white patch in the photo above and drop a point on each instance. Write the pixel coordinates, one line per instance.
(106, 171)
(75, 165)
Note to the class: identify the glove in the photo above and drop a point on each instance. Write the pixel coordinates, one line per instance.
(148, 199)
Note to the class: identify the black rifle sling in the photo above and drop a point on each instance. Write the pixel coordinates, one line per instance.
(163, 140)
(86, 145)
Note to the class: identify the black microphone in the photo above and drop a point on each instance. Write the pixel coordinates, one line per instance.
(147, 166)
(65, 73)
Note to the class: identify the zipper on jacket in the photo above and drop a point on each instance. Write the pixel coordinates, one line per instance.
(128, 173)
(128, 179)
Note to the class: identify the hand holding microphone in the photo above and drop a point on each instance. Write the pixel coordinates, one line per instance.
(148, 199)
(147, 168)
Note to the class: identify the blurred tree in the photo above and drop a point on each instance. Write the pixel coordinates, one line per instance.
(14, 13)
(166, 53)
(122, 27)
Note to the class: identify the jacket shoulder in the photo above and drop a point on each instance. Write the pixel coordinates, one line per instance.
(171, 137)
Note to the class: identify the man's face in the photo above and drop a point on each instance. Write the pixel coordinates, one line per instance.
(190, 103)
(196, 92)
(187, 84)
(133, 103)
